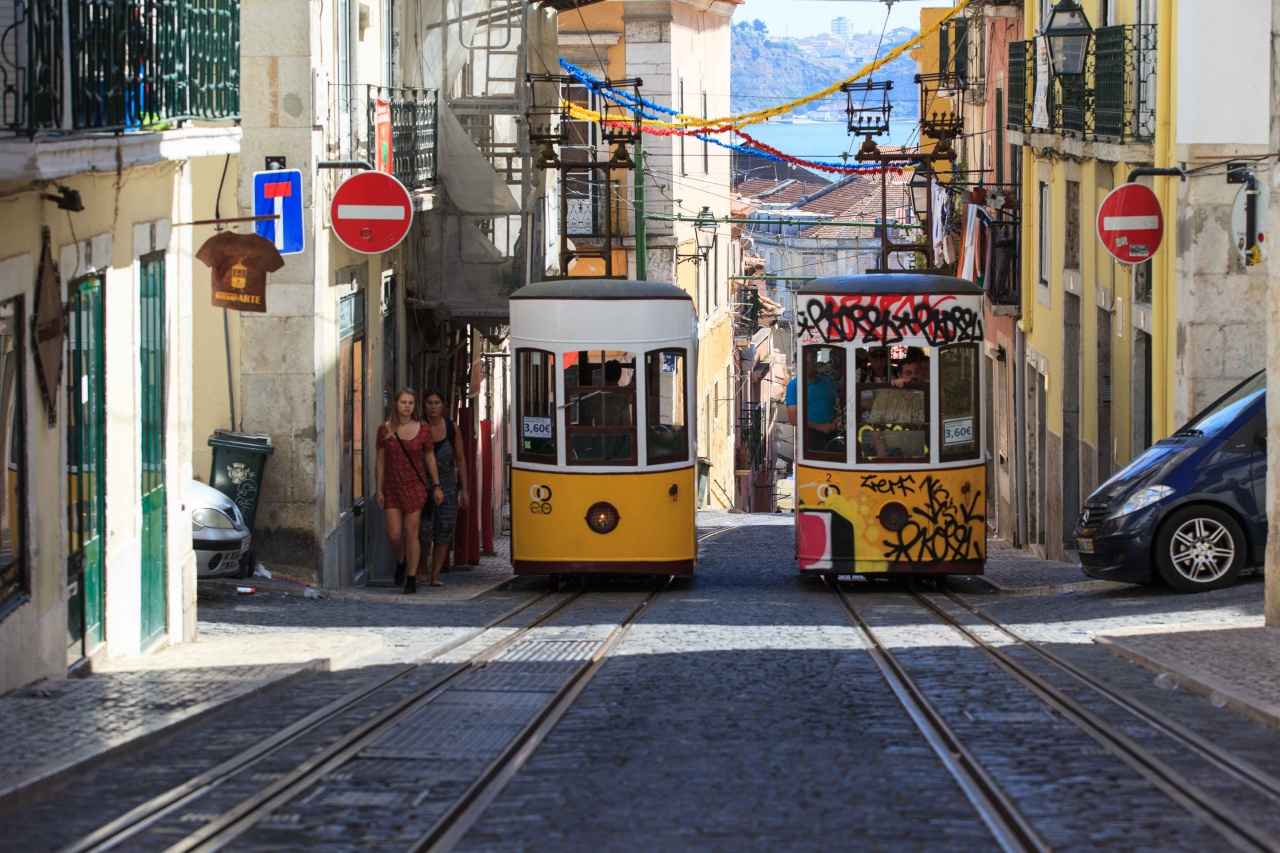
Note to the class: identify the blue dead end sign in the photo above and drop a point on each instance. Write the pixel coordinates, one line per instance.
(279, 193)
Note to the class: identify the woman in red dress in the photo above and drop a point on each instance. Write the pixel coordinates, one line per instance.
(406, 479)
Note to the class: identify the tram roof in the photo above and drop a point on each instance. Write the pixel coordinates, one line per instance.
(891, 283)
(600, 288)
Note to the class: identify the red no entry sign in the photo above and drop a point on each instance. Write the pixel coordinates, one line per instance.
(1130, 224)
(371, 212)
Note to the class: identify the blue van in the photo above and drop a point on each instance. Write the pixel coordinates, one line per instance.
(1192, 508)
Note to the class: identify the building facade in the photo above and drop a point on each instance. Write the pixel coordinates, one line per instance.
(101, 176)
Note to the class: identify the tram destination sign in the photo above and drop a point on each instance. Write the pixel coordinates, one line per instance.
(934, 319)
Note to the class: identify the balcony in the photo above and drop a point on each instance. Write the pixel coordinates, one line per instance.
(351, 132)
(1113, 101)
(136, 64)
(413, 133)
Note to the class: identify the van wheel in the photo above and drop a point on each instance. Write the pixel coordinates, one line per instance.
(1200, 548)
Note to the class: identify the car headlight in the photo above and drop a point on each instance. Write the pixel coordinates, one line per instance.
(1143, 498)
(212, 518)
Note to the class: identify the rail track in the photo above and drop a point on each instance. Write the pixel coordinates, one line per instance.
(1011, 828)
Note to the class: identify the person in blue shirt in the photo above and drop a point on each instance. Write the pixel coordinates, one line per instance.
(821, 394)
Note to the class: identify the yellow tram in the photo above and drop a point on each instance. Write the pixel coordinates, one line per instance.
(890, 471)
(602, 463)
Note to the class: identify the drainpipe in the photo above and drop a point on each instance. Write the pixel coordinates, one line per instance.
(642, 235)
(1020, 432)
(1165, 318)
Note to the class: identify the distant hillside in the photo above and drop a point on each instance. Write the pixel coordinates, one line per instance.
(768, 71)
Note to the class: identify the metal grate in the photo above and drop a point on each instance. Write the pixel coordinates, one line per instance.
(460, 725)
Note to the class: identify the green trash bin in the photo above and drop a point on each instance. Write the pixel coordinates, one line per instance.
(239, 460)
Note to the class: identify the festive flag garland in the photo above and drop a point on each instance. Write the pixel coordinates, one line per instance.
(754, 146)
(726, 123)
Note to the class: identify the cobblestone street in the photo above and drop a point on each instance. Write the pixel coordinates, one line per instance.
(742, 711)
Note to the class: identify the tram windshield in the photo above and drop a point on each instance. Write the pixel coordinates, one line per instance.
(823, 374)
(666, 409)
(600, 407)
(893, 404)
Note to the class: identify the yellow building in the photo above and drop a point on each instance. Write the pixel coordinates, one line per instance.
(1113, 355)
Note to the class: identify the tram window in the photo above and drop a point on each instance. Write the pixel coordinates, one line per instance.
(959, 421)
(600, 407)
(824, 399)
(666, 408)
(893, 406)
(536, 397)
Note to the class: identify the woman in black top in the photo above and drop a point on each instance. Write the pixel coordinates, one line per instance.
(437, 528)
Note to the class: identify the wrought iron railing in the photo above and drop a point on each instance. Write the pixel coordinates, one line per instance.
(413, 132)
(133, 64)
(1114, 99)
(586, 197)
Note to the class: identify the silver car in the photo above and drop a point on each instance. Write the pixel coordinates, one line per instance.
(218, 533)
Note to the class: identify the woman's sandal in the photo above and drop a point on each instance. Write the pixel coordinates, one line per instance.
(437, 583)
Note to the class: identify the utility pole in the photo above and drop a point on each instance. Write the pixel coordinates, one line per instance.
(642, 237)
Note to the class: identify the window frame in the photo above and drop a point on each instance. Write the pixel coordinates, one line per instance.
(570, 430)
(523, 455)
(926, 426)
(649, 424)
(974, 455)
(842, 402)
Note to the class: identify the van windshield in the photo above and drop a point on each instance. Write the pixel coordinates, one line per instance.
(1225, 410)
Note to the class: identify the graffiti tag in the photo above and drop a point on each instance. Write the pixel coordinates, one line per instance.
(940, 320)
(904, 485)
(941, 530)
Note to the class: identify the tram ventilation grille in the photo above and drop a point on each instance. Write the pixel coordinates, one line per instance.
(521, 676)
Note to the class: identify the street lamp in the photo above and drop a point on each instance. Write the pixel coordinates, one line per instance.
(1068, 32)
(704, 235)
(920, 189)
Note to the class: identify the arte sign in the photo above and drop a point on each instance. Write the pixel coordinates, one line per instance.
(1130, 224)
(937, 319)
(240, 263)
(371, 212)
(50, 328)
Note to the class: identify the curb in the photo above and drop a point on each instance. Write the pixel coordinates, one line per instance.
(50, 776)
(1053, 589)
(1265, 714)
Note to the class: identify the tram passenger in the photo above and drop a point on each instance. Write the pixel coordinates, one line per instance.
(873, 365)
(898, 413)
(821, 393)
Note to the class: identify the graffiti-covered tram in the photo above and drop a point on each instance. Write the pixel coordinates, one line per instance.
(890, 468)
(602, 456)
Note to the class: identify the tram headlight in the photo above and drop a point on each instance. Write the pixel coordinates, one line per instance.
(894, 516)
(602, 517)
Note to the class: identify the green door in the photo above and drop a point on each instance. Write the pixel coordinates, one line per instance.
(85, 457)
(151, 407)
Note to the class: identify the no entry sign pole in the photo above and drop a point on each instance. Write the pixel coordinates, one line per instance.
(1130, 223)
(371, 212)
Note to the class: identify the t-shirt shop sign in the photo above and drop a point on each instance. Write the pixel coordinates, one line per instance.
(240, 263)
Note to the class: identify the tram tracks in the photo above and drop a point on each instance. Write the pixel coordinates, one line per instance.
(1184, 789)
(252, 792)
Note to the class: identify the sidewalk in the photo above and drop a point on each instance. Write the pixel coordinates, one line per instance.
(57, 727)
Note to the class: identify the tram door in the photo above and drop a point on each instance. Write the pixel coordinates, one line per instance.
(151, 406)
(85, 416)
